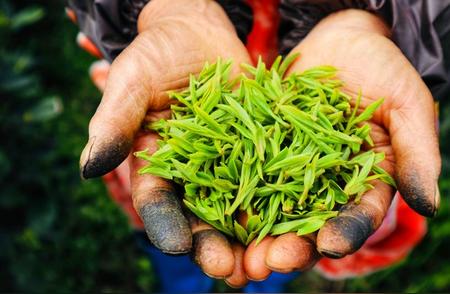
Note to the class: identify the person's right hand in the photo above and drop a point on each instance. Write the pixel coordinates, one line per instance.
(175, 39)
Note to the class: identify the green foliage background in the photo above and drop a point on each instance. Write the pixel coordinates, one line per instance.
(58, 233)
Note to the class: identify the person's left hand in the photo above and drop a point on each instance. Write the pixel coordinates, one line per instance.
(357, 43)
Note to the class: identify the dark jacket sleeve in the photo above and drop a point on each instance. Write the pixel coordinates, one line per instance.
(419, 28)
(111, 24)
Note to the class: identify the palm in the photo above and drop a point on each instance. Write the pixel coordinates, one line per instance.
(372, 64)
(369, 62)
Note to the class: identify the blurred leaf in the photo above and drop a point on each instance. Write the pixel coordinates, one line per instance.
(10, 84)
(29, 237)
(41, 217)
(22, 63)
(46, 109)
(4, 20)
(5, 165)
(27, 17)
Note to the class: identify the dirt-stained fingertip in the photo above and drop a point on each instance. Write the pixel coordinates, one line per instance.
(344, 234)
(101, 156)
(165, 224)
(419, 193)
(213, 253)
(331, 254)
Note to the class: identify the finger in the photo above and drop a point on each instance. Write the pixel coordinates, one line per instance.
(157, 204)
(254, 259)
(70, 13)
(211, 250)
(290, 252)
(416, 150)
(87, 45)
(118, 117)
(98, 72)
(238, 279)
(347, 232)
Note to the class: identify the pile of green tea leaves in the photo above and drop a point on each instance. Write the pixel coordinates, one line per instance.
(285, 151)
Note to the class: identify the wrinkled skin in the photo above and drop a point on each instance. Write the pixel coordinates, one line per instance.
(175, 39)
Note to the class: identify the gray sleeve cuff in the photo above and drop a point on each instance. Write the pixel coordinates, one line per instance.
(418, 29)
(112, 24)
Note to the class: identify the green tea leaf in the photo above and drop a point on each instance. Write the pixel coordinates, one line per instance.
(241, 233)
(284, 150)
(368, 112)
(310, 226)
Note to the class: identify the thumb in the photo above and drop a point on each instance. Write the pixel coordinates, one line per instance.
(118, 117)
(414, 140)
(137, 82)
(160, 58)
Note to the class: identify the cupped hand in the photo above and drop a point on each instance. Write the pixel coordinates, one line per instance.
(175, 39)
(357, 43)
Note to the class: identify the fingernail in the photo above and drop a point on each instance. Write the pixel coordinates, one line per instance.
(330, 254)
(256, 280)
(85, 155)
(344, 234)
(166, 226)
(71, 15)
(232, 286)
(279, 270)
(437, 199)
(215, 277)
(99, 158)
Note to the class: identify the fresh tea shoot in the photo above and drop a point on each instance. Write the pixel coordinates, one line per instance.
(285, 150)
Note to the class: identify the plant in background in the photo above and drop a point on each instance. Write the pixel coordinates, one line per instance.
(285, 151)
(16, 79)
(56, 233)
